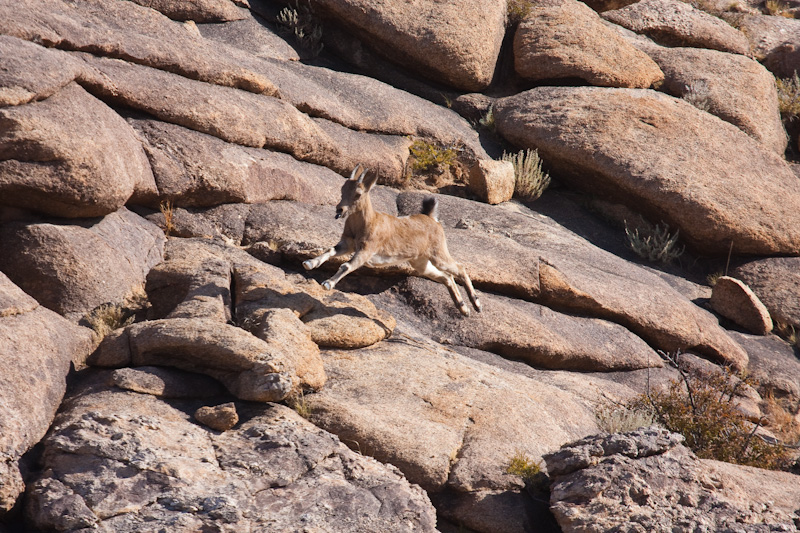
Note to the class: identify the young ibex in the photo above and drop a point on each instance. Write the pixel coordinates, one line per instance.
(381, 239)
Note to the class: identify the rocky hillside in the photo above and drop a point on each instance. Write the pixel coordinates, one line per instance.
(168, 364)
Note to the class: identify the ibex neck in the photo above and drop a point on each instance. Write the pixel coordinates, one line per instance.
(364, 209)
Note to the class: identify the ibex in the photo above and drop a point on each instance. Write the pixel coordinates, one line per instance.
(381, 239)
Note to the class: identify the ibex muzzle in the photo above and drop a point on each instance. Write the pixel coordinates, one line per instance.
(379, 239)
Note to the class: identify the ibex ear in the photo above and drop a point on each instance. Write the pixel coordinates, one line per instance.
(355, 172)
(369, 181)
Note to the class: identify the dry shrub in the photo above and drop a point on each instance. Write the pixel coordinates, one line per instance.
(428, 156)
(702, 407)
(530, 180)
(654, 243)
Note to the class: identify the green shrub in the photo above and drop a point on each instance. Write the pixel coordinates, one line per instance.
(702, 408)
(428, 155)
(654, 243)
(789, 96)
(530, 180)
(523, 466)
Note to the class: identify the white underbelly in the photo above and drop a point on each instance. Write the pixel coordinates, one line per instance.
(383, 260)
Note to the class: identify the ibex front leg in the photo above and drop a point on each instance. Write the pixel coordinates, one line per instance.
(358, 260)
(344, 247)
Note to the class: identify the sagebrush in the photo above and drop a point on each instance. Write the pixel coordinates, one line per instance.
(789, 96)
(530, 181)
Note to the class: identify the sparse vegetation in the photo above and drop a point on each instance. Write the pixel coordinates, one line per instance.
(654, 243)
(777, 7)
(531, 180)
(518, 10)
(786, 331)
(487, 121)
(622, 418)
(713, 278)
(428, 155)
(702, 407)
(111, 316)
(789, 96)
(301, 22)
(168, 210)
(298, 402)
(697, 94)
(523, 466)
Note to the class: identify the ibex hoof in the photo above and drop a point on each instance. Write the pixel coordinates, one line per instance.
(463, 309)
(327, 284)
(307, 264)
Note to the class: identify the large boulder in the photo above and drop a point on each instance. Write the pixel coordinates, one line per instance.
(776, 282)
(736, 301)
(569, 40)
(122, 462)
(735, 88)
(197, 11)
(74, 268)
(664, 158)
(70, 156)
(647, 480)
(457, 44)
(675, 23)
(37, 346)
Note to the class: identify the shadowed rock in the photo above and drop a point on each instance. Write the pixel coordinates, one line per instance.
(457, 44)
(38, 347)
(166, 382)
(74, 268)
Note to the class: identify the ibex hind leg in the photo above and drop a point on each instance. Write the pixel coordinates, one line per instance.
(428, 270)
(458, 271)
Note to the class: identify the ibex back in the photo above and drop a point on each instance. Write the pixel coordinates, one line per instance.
(379, 239)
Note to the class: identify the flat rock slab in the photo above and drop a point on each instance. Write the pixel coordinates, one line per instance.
(520, 330)
(776, 282)
(675, 23)
(37, 347)
(166, 382)
(568, 39)
(197, 11)
(734, 300)
(124, 462)
(74, 267)
(665, 159)
(455, 44)
(647, 480)
(69, 155)
(445, 420)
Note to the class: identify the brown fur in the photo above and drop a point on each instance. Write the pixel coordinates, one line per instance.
(376, 239)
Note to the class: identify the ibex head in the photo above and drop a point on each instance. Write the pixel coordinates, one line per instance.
(353, 190)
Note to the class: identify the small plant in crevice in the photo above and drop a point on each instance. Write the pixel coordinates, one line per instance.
(777, 8)
(530, 180)
(298, 402)
(786, 331)
(487, 121)
(697, 94)
(108, 317)
(301, 23)
(517, 11)
(168, 210)
(522, 465)
(428, 156)
(702, 407)
(789, 96)
(654, 243)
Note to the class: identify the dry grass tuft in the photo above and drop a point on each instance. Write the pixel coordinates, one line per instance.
(531, 180)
